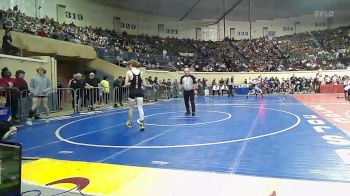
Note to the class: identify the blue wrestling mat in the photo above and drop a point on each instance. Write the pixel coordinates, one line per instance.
(269, 137)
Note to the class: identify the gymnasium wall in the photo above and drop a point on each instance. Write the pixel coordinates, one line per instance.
(106, 68)
(95, 14)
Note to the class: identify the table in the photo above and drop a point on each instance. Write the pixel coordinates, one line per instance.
(241, 90)
(332, 88)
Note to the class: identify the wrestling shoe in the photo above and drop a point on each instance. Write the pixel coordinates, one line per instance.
(142, 126)
(29, 122)
(47, 120)
(128, 124)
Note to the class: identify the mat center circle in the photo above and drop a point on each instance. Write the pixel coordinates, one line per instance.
(180, 119)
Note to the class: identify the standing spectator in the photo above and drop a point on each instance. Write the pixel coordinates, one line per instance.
(59, 95)
(7, 45)
(105, 89)
(317, 82)
(200, 88)
(6, 81)
(117, 85)
(77, 84)
(21, 91)
(164, 54)
(155, 81)
(221, 86)
(175, 88)
(168, 88)
(204, 83)
(20, 83)
(74, 77)
(230, 83)
(155, 88)
(40, 87)
(92, 90)
(150, 81)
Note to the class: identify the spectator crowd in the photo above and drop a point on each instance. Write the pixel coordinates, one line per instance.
(325, 49)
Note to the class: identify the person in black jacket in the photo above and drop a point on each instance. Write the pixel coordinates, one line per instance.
(92, 93)
(7, 45)
(78, 85)
(230, 84)
(118, 88)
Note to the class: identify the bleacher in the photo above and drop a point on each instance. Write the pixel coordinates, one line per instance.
(287, 53)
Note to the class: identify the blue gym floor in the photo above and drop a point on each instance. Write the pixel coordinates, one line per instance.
(260, 137)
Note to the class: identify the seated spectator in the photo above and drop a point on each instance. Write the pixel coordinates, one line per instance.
(215, 87)
(42, 33)
(2, 19)
(8, 90)
(7, 129)
(15, 8)
(7, 45)
(8, 24)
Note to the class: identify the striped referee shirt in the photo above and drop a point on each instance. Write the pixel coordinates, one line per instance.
(188, 82)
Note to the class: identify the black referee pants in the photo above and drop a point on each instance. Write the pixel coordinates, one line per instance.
(230, 90)
(189, 96)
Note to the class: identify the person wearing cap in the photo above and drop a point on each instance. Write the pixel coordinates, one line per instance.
(134, 80)
(39, 87)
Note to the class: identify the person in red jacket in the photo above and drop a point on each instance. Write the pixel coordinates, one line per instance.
(7, 90)
(6, 81)
(21, 91)
(20, 83)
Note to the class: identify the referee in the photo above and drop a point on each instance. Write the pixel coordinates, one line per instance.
(188, 82)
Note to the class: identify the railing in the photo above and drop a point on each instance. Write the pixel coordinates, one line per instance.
(65, 101)
(59, 100)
